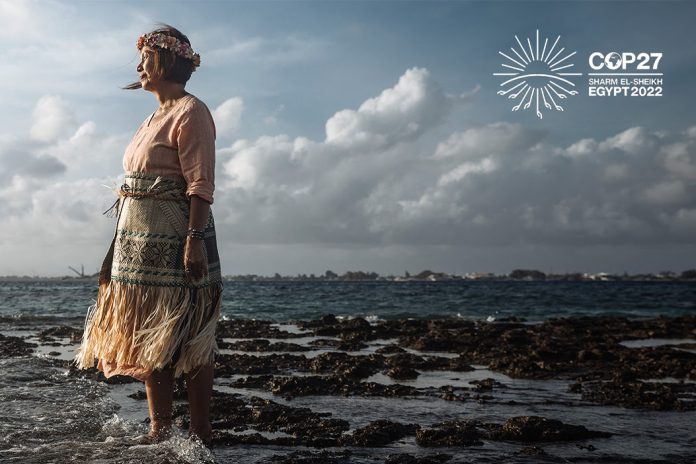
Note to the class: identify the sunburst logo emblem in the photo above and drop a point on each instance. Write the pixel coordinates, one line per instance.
(535, 76)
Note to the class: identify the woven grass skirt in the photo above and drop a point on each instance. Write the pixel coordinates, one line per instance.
(148, 314)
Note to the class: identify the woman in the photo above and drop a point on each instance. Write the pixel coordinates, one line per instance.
(160, 286)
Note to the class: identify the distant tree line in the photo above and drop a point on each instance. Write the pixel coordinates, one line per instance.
(429, 275)
(517, 274)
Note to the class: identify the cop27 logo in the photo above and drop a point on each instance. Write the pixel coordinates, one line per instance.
(614, 61)
(533, 75)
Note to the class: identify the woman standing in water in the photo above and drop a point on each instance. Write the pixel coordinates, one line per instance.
(160, 285)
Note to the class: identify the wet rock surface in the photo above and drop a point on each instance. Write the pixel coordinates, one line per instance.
(337, 363)
(289, 387)
(63, 331)
(521, 428)
(541, 429)
(633, 393)
(94, 374)
(402, 373)
(261, 345)
(380, 433)
(486, 384)
(451, 433)
(14, 347)
(251, 328)
(346, 355)
(297, 426)
(582, 349)
(238, 419)
(585, 350)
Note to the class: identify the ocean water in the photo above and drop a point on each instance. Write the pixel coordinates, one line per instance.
(49, 417)
(280, 301)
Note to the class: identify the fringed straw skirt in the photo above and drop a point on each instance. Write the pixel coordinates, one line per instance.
(149, 314)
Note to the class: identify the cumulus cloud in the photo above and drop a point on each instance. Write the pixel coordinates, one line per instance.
(89, 151)
(52, 184)
(494, 184)
(20, 163)
(63, 220)
(227, 116)
(399, 114)
(499, 138)
(52, 119)
(678, 158)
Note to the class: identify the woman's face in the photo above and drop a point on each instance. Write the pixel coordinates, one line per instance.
(146, 68)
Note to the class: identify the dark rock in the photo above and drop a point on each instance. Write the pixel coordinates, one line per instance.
(405, 360)
(459, 364)
(450, 393)
(302, 426)
(234, 364)
(95, 374)
(402, 373)
(356, 323)
(249, 328)
(328, 319)
(378, 389)
(379, 433)
(138, 395)
(536, 429)
(629, 393)
(343, 345)
(390, 349)
(451, 433)
(261, 345)
(486, 384)
(290, 387)
(343, 364)
(560, 347)
(11, 347)
(49, 343)
(63, 331)
(300, 386)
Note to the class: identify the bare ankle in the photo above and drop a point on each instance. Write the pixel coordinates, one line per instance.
(162, 426)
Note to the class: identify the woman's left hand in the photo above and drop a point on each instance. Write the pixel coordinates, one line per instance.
(195, 263)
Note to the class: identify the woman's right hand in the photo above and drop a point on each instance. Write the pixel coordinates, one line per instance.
(195, 262)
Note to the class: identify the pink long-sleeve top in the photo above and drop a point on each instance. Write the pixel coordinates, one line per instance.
(178, 143)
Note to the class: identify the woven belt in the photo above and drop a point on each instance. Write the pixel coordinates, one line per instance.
(163, 189)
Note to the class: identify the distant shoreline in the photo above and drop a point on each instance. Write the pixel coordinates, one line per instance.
(687, 276)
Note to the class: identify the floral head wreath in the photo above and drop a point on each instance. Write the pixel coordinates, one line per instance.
(159, 39)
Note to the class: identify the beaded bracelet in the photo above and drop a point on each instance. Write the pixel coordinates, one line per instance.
(196, 234)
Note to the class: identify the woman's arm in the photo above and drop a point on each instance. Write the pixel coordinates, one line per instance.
(194, 254)
(196, 144)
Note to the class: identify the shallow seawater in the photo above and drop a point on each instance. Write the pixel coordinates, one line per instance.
(653, 342)
(48, 417)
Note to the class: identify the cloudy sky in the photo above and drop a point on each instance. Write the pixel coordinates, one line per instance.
(358, 135)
